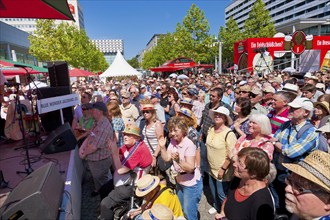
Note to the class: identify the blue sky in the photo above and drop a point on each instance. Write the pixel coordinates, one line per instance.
(137, 21)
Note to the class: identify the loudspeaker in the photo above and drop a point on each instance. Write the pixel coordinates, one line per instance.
(52, 120)
(62, 139)
(37, 196)
(58, 72)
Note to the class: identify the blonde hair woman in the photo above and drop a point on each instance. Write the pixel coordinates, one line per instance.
(117, 121)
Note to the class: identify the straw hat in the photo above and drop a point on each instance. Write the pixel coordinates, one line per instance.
(146, 107)
(187, 101)
(290, 87)
(222, 110)
(186, 112)
(269, 89)
(315, 167)
(158, 211)
(245, 88)
(146, 184)
(324, 105)
(132, 129)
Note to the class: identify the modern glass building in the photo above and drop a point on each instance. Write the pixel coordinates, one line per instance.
(109, 48)
(310, 16)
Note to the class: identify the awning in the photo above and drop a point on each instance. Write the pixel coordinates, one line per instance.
(166, 69)
(45, 9)
(80, 73)
(8, 69)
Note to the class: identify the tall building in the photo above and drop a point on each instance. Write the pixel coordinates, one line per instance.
(29, 24)
(151, 44)
(109, 48)
(310, 16)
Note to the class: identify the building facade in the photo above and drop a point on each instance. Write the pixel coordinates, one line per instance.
(109, 48)
(151, 44)
(310, 16)
(29, 24)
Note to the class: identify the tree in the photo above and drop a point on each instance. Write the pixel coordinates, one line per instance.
(228, 35)
(65, 42)
(259, 23)
(134, 62)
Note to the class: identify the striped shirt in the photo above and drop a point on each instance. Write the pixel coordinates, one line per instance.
(277, 120)
(294, 149)
(150, 137)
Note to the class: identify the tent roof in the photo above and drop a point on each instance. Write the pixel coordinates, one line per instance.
(120, 67)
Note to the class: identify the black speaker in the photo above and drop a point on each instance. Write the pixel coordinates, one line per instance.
(52, 120)
(58, 72)
(62, 139)
(37, 196)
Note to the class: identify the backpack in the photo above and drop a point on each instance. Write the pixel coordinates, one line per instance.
(323, 142)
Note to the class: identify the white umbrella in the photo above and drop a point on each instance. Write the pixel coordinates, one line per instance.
(174, 75)
(34, 84)
(182, 76)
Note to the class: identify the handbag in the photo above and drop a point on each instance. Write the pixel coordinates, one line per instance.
(161, 164)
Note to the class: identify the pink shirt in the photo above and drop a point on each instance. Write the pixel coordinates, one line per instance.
(186, 148)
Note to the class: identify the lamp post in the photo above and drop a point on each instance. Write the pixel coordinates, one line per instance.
(220, 58)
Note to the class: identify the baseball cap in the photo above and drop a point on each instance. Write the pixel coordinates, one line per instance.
(100, 106)
(304, 103)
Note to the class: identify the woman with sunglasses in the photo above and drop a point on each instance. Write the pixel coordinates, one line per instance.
(249, 196)
(173, 106)
(152, 131)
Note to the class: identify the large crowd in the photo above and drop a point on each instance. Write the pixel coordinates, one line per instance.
(261, 144)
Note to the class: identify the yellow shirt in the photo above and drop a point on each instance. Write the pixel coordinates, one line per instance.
(218, 149)
(171, 200)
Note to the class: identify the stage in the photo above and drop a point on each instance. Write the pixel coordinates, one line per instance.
(68, 164)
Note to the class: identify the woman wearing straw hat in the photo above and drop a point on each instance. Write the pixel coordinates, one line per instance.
(152, 130)
(154, 193)
(220, 143)
(321, 110)
(182, 151)
(308, 187)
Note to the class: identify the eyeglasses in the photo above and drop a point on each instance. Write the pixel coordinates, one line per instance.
(296, 188)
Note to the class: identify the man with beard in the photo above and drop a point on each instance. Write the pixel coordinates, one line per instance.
(288, 147)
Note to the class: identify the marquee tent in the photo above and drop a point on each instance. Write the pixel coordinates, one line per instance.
(120, 67)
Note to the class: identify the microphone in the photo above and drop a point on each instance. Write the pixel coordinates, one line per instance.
(21, 66)
(10, 84)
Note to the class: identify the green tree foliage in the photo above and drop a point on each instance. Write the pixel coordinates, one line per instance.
(65, 42)
(134, 62)
(259, 23)
(228, 35)
(191, 39)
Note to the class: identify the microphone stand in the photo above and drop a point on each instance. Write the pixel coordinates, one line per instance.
(18, 109)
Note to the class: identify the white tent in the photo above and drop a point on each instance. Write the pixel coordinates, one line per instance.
(120, 67)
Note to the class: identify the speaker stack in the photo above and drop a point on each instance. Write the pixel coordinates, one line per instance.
(37, 196)
(60, 85)
(62, 139)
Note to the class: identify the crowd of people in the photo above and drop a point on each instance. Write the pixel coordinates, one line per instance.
(261, 144)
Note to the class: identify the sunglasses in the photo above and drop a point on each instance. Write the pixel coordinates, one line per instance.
(184, 93)
(148, 112)
(252, 95)
(243, 92)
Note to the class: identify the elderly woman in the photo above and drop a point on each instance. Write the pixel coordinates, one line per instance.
(321, 110)
(117, 121)
(260, 131)
(188, 177)
(220, 143)
(249, 196)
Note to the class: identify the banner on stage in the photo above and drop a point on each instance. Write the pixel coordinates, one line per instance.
(56, 103)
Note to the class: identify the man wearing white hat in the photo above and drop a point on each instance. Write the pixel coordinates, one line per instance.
(307, 193)
(288, 146)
